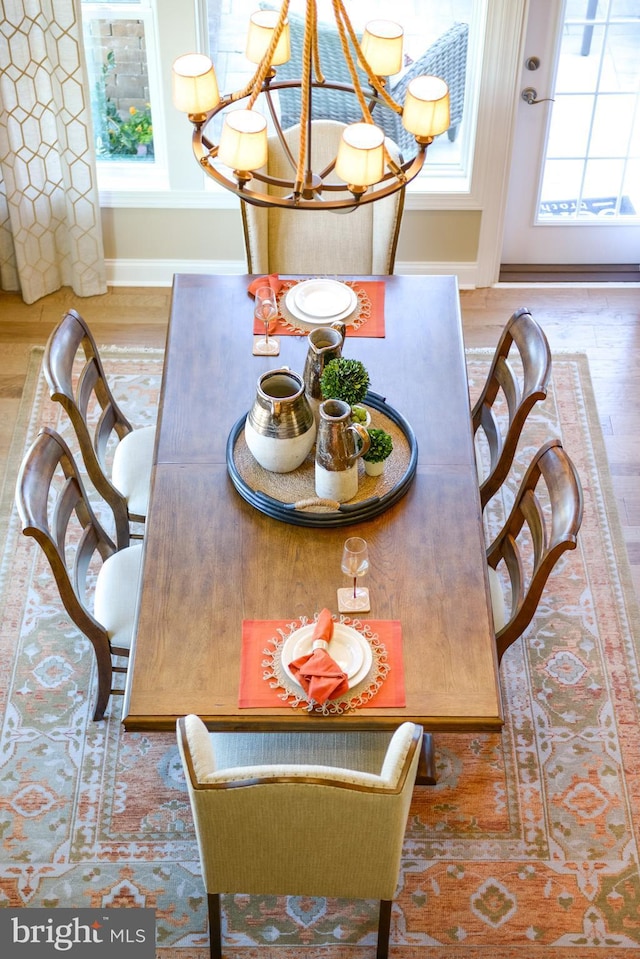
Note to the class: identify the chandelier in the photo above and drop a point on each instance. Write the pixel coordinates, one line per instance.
(366, 164)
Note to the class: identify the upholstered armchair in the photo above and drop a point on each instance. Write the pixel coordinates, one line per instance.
(280, 240)
(299, 829)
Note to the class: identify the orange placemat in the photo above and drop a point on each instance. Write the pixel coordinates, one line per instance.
(369, 319)
(261, 643)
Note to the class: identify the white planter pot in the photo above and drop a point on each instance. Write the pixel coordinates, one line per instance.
(367, 421)
(373, 469)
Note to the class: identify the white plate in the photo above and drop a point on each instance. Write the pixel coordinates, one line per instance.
(319, 302)
(348, 647)
(322, 298)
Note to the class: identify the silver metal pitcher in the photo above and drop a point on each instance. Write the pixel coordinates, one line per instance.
(325, 344)
(339, 445)
(280, 428)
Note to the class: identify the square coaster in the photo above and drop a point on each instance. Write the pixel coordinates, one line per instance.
(346, 602)
(274, 352)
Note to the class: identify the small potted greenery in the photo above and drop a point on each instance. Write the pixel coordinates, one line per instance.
(379, 449)
(348, 380)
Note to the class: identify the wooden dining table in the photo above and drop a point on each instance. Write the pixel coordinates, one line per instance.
(212, 560)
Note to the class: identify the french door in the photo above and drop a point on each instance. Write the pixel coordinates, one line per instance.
(574, 185)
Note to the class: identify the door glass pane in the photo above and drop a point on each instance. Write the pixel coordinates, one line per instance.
(593, 143)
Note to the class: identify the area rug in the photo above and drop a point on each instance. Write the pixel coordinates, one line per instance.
(527, 845)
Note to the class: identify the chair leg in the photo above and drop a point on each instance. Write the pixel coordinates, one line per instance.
(215, 931)
(384, 926)
(426, 775)
(105, 678)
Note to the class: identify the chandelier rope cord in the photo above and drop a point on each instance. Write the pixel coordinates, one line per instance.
(307, 53)
(344, 25)
(254, 86)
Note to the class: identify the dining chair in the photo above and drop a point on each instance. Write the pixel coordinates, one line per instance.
(281, 240)
(98, 422)
(521, 389)
(55, 510)
(299, 829)
(543, 523)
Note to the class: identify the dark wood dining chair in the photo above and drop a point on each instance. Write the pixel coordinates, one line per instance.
(55, 510)
(521, 390)
(543, 523)
(125, 486)
(299, 829)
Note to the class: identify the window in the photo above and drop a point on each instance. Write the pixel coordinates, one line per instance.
(442, 37)
(119, 40)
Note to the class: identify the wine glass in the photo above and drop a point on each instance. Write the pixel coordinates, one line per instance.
(355, 563)
(266, 311)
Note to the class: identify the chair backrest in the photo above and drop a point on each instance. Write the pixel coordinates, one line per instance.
(521, 390)
(278, 240)
(445, 58)
(298, 829)
(55, 510)
(543, 523)
(78, 391)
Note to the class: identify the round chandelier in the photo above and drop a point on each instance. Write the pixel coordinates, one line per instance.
(366, 166)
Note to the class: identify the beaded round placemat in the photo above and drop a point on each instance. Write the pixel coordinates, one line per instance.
(274, 672)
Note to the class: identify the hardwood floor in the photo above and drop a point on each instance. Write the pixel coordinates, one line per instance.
(602, 321)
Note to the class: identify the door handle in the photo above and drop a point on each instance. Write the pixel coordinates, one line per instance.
(530, 96)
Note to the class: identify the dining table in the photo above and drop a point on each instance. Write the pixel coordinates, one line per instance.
(216, 565)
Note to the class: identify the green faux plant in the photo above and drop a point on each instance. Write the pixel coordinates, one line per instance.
(380, 447)
(344, 379)
(116, 136)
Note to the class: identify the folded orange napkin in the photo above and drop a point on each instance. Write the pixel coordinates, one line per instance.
(319, 674)
(273, 280)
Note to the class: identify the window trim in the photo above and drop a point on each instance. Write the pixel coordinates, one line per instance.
(164, 184)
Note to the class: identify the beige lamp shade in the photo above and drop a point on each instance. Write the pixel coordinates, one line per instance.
(195, 88)
(381, 46)
(360, 159)
(426, 107)
(243, 141)
(262, 23)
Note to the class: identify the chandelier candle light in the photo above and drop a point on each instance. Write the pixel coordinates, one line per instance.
(365, 162)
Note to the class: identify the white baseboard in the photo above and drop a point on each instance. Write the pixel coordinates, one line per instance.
(161, 272)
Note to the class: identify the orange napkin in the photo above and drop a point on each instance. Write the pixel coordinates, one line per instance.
(319, 674)
(273, 280)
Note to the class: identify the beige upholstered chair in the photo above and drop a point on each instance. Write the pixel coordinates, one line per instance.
(522, 389)
(299, 829)
(543, 524)
(312, 242)
(55, 510)
(126, 490)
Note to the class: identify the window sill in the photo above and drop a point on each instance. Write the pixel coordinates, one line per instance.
(153, 197)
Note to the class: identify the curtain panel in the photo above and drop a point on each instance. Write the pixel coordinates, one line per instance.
(50, 231)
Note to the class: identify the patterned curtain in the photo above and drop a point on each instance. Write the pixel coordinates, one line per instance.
(50, 234)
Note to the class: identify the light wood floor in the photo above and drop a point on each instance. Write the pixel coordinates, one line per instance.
(602, 321)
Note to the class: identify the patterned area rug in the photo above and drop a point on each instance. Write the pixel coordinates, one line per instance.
(527, 845)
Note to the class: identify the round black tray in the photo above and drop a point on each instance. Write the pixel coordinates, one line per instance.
(346, 513)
